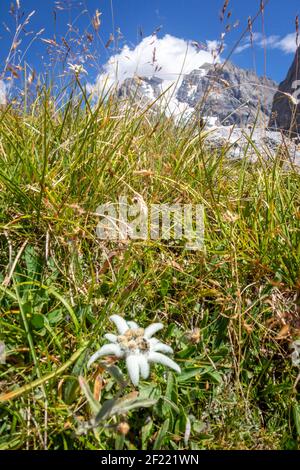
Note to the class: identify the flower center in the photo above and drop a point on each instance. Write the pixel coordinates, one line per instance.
(133, 341)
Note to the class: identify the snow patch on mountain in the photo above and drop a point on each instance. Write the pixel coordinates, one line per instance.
(167, 59)
(183, 80)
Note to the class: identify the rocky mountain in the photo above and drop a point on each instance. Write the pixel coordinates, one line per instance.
(285, 111)
(221, 94)
(233, 95)
(229, 100)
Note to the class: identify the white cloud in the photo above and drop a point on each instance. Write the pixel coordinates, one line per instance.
(242, 47)
(168, 58)
(3, 93)
(287, 44)
(213, 46)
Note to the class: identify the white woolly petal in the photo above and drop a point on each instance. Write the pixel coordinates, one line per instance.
(161, 347)
(153, 341)
(111, 338)
(132, 364)
(164, 360)
(133, 325)
(144, 367)
(106, 350)
(120, 323)
(295, 358)
(156, 345)
(152, 329)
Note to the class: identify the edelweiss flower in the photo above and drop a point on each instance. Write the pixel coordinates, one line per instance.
(77, 69)
(137, 346)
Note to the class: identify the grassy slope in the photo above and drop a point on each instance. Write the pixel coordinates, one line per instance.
(237, 386)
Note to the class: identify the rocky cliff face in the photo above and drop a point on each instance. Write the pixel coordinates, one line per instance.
(230, 100)
(285, 112)
(220, 94)
(233, 95)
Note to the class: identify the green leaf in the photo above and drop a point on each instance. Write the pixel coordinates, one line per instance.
(32, 261)
(37, 321)
(173, 445)
(71, 386)
(116, 374)
(187, 352)
(106, 411)
(168, 406)
(126, 404)
(55, 316)
(172, 330)
(180, 425)
(194, 446)
(164, 287)
(146, 433)
(119, 442)
(170, 386)
(170, 397)
(188, 374)
(161, 436)
(296, 415)
(105, 289)
(198, 426)
(121, 406)
(94, 404)
(214, 375)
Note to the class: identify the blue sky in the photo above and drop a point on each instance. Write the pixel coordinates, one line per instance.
(187, 19)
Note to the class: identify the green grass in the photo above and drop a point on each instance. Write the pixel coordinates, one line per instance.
(59, 283)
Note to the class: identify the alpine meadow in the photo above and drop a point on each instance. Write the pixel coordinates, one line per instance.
(120, 330)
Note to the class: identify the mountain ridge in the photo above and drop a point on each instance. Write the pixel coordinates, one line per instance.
(221, 94)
